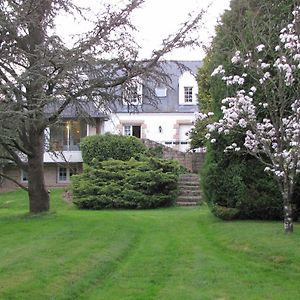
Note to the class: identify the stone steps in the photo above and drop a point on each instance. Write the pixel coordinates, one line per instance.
(179, 203)
(189, 190)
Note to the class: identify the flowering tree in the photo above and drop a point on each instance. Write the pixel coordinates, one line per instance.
(271, 127)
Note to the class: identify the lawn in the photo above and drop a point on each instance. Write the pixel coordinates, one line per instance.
(175, 253)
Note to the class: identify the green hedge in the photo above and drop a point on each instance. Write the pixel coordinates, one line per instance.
(239, 182)
(149, 183)
(110, 146)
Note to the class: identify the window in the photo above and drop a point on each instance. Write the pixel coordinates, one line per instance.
(134, 130)
(66, 135)
(161, 92)
(65, 173)
(187, 89)
(127, 130)
(188, 94)
(133, 92)
(62, 174)
(24, 176)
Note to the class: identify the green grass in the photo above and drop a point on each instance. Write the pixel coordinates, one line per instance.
(176, 253)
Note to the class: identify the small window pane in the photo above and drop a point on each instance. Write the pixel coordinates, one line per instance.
(62, 176)
(127, 130)
(188, 94)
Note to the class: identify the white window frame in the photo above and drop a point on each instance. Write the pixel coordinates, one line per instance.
(188, 94)
(68, 174)
(131, 129)
(125, 131)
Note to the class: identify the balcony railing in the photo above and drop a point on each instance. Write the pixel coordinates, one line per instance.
(60, 146)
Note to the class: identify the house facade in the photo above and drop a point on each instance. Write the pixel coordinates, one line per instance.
(171, 119)
(62, 156)
(168, 123)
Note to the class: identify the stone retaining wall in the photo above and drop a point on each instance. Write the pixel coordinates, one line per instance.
(192, 161)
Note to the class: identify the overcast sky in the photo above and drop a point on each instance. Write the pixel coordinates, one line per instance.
(157, 19)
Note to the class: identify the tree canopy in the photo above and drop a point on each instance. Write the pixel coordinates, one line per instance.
(231, 179)
(38, 71)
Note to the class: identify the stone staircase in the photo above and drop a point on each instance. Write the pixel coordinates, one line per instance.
(189, 190)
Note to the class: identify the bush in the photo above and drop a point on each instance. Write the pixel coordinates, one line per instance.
(149, 183)
(224, 213)
(156, 151)
(240, 182)
(110, 146)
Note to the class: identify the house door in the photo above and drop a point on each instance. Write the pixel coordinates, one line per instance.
(134, 130)
(184, 137)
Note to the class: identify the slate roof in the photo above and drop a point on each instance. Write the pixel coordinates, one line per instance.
(72, 111)
(170, 103)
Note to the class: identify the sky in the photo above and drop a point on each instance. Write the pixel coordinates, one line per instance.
(156, 19)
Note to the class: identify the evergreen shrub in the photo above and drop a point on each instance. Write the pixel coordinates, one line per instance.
(149, 183)
(110, 146)
(240, 183)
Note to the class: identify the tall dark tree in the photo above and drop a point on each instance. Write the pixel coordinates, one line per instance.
(40, 76)
(236, 180)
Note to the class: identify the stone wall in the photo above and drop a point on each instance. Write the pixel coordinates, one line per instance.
(192, 161)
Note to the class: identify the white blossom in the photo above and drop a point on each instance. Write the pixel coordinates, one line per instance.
(275, 140)
(260, 48)
(218, 70)
(236, 58)
(207, 136)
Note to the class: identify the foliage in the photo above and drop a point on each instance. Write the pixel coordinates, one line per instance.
(245, 26)
(110, 146)
(238, 182)
(271, 127)
(224, 212)
(41, 77)
(156, 151)
(149, 183)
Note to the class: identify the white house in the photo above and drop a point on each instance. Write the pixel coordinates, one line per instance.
(170, 121)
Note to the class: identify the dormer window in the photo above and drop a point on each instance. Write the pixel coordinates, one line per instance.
(188, 88)
(188, 94)
(133, 92)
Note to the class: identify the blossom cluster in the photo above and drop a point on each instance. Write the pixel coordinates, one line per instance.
(277, 135)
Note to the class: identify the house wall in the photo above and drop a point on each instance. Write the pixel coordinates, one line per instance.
(50, 173)
(150, 122)
(7, 185)
(92, 130)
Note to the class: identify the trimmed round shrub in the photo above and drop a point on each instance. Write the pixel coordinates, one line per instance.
(110, 146)
(150, 183)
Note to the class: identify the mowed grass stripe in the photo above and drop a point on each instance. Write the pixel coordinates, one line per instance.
(176, 253)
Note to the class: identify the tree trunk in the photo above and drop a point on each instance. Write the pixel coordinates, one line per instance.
(38, 194)
(288, 212)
